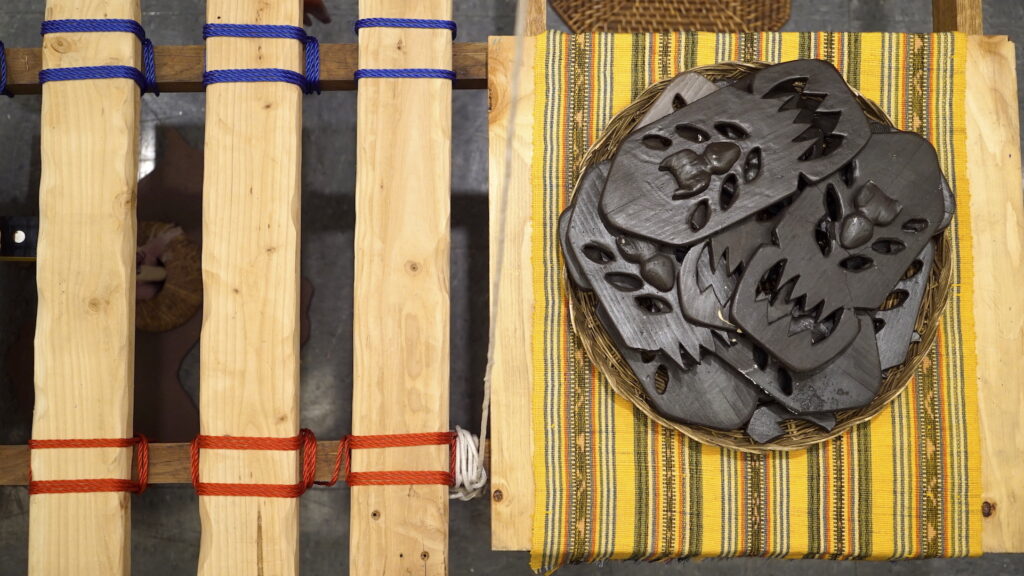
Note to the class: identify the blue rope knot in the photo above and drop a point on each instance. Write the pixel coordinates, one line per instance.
(310, 83)
(421, 23)
(146, 79)
(3, 73)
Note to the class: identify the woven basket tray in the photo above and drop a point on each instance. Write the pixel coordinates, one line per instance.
(798, 434)
(672, 15)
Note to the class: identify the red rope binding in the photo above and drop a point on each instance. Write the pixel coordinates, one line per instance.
(398, 477)
(305, 442)
(90, 485)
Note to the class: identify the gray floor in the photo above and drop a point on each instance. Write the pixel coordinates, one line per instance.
(166, 525)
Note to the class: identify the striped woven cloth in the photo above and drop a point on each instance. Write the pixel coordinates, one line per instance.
(611, 484)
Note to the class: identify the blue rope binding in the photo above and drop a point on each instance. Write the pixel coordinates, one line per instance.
(3, 73)
(310, 83)
(146, 79)
(407, 23)
(405, 72)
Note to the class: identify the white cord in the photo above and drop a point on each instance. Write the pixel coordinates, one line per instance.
(470, 476)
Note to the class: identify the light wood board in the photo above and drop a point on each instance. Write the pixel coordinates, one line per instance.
(85, 327)
(249, 369)
(401, 309)
(510, 198)
(997, 221)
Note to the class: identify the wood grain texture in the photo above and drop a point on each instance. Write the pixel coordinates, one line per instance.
(401, 311)
(180, 68)
(536, 17)
(957, 16)
(249, 370)
(512, 376)
(85, 336)
(997, 226)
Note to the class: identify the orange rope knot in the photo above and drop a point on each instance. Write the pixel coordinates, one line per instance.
(83, 486)
(393, 478)
(305, 442)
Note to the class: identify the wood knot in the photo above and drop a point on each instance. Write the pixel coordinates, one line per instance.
(412, 266)
(498, 496)
(375, 515)
(424, 555)
(60, 45)
(987, 509)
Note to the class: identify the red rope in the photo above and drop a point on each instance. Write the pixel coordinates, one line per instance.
(305, 442)
(90, 485)
(343, 460)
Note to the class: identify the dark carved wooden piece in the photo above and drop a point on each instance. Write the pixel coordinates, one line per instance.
(788, 121)
(759, 251)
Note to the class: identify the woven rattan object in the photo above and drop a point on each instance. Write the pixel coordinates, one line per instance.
(671, 15)
(798, 434)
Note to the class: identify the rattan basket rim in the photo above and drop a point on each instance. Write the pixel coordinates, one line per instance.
(798, 434)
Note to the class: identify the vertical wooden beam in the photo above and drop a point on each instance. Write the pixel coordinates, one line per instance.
(250, 340)
(957, 16)
(536, 17)
(997, 228)
(511, 199)
(85, 327)
(401, 315)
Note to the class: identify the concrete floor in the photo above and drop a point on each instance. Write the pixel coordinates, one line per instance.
(165, 529)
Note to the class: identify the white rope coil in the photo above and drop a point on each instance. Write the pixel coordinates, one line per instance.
(470, 475)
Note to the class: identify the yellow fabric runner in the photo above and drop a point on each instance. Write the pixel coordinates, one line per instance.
(612, 484)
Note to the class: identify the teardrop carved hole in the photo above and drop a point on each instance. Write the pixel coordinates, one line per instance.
(915, 225)
(692, 133)
(913, 270)
(700, 215)
(833, 204)
(661, 379)
(823, 236)
(653, 304)
(731, 130)
(752, 165)
(624, 282)
(849, 174)
(647, 356)
(678, 102)
(598, 254)
(895, 299)
(878, 323)
(760, 357)
(729, 192)
(656, 142)
(857, 263)
(888, 246)
(785, 382)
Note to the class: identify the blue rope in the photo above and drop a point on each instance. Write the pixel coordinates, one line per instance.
(93, 73)
(310, 82)
(407, 23)
(3, 73)
(254, 75)
(146, 80)
(404, 73)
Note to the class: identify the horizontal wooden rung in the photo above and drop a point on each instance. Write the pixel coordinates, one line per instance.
(180, 68)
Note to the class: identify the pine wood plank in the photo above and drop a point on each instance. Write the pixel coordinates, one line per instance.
(180, 68)
(249, 370)
(536, 17)
(997, 224)
(957, 16)
(401, 313)
(512, 495)
(86, 282)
